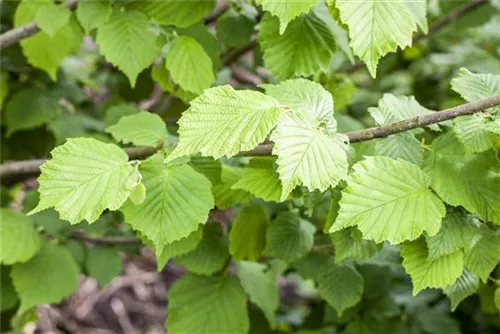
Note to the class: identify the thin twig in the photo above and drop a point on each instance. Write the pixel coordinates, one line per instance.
(236, 53)
(218, 12)
(30, 167)
(15, 35)
(105, 240)
(434, 27)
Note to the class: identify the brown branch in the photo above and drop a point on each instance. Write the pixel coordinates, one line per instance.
(15, 35)
(105, 240)
(218, 12)
(434, 27)
(31, 167)
(236, 53)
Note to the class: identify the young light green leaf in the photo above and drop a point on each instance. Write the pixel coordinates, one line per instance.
(261, 287)
(392, 109)
(340, 285)
(189, 65)
(30, 108)
(72, 181)
(142, 129)
(402, 145)
(224, 122)
(8, 295)
(113, 114)
(138, 195)
(377, 28)
(190, 298)
(179, 247)
(103, 264)
(173, 12)
(93, 14)
(349, 244)
(285, 10)
(248, 233)
(484, 254)
(389, 200)
(418, 9)
(465, 285)
(306, 97)
(48, 277)
(425, 273)
(41, 50)
(289, 237)
(127, 41)
(224, 194)
(478, 133)
(178, 200)
(52, 17)
(260, 179)
(457, 230)
(203, 35)
(463, 179)
(211, 253)
(307, 155)
(306, 47)
(19, 238)
(473, 87)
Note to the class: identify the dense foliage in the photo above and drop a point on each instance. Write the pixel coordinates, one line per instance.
(234, 140)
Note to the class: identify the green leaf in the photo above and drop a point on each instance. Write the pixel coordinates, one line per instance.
(224, 122)
(142, 129)
(190, 298)
(456, 232)
(312, 265)
(113, 114)
(340, 285)
(41, 50)
(473, 87)
(127, 41)
(459, 178)
(30, 108)
(307, 155)
(52, 17)
(174, 12)
(402, 145)
(189, 65)
(289, 237)
(209, 167)
(261, 287)
(248, 233)
(178, 200)
(497, 298)
(377, 28)
(389, 200)
(224, 194)
(418, 10)
(20, 240)
(234, 29)
(260, 179)
(392, 109)
(484, 254)
(203, 35)
(48, 277)
(8, 296)
(306, 97)
(93, 14)
(349, 244)
(306, 48)
(210, 255)
(425, 273)
(103, 264)
(285, 10)
(72, 181)
(478, 132)
(179, 247)
(465, 285)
